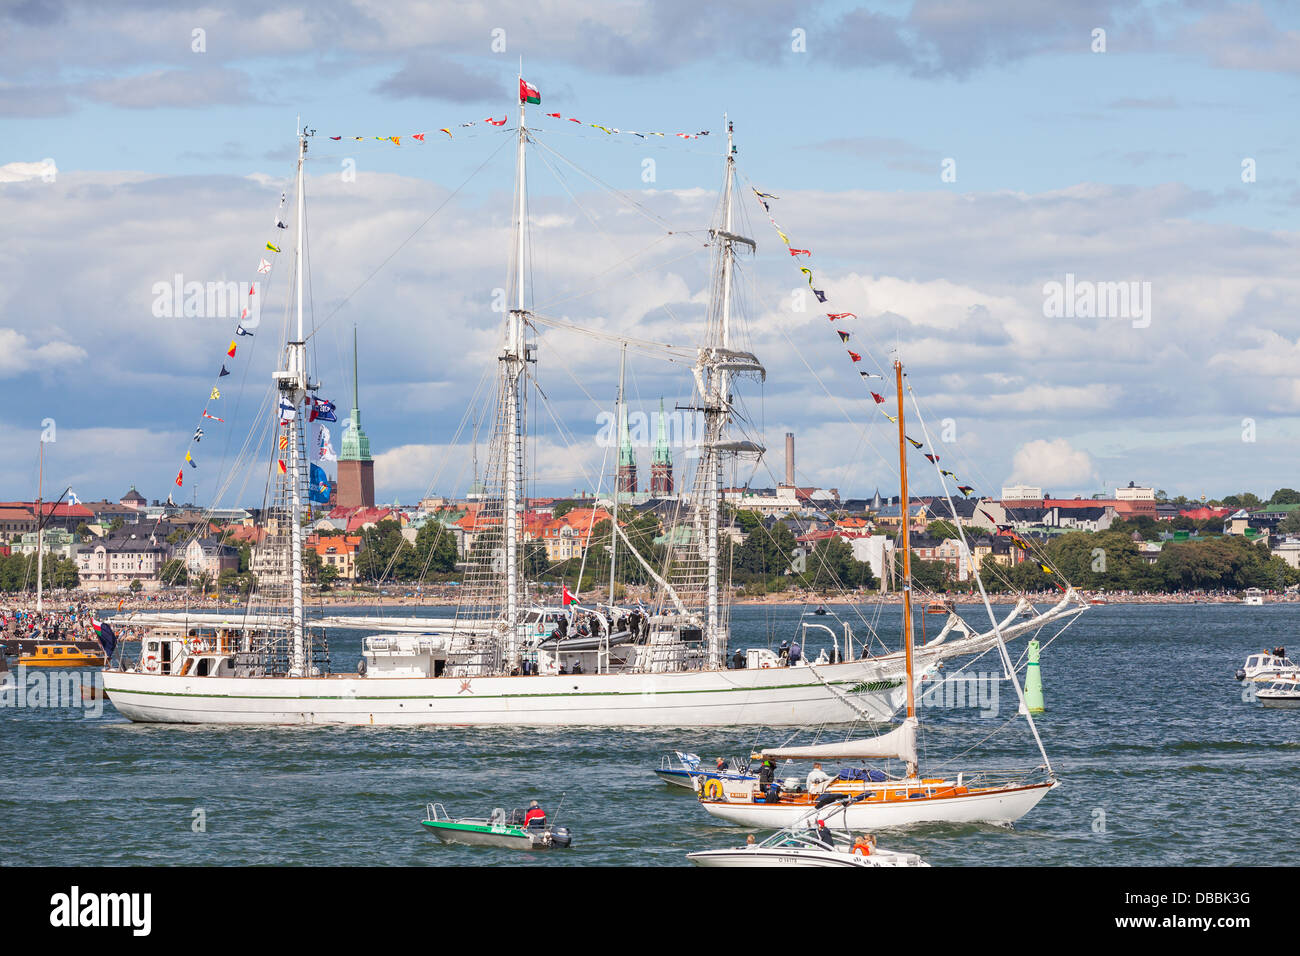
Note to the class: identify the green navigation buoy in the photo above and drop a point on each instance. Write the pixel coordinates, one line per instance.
(1033, 681)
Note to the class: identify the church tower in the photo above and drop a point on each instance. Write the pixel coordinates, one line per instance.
(661, 468)
(356, 485)
(626, 459)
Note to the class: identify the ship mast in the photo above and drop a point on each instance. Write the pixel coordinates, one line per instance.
(713, 378)
(513, 369)
(621, 418)
(907, 552)
(40, 532)
(293, 385)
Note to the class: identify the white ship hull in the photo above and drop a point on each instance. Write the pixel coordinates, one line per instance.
(784, 696)
(1002, 806)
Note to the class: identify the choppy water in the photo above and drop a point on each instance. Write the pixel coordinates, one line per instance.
(1162, 762)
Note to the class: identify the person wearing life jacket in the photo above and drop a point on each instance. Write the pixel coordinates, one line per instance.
(535, 818)
(864, 844)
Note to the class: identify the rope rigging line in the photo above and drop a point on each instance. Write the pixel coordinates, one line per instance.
(374, 272)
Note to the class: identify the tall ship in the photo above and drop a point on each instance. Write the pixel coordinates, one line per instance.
(505, 658)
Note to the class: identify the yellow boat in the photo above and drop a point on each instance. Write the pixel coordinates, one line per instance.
(61, 655)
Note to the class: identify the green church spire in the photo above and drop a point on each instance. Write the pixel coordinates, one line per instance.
(356, 445)
(663, 454)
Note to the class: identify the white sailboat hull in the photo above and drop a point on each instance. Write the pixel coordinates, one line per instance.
(1002, 806)
(784, 696)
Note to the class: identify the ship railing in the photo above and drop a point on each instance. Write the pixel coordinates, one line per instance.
(436, 812)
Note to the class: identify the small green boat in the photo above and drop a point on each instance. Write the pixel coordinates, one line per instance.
(498, 830)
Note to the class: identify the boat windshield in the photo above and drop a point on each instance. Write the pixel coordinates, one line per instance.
(806, 838)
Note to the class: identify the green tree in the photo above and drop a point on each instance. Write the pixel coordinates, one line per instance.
(942, 529)
(1285, 496)
(1290, 524)
(136, 587)
(174, 572)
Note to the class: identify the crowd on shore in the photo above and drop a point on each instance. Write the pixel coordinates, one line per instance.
(72, 623)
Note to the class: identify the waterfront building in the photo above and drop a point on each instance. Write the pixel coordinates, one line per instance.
(120, 561)
(210, 556)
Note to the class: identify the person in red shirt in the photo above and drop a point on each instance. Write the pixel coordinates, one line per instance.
(536, 816)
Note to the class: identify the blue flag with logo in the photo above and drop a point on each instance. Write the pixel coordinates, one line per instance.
(319, 490)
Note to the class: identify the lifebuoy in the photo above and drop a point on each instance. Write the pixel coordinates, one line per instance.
(712, 789)
(765, 664)
(151, 660)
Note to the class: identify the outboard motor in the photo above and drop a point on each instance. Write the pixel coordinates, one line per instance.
(561, 837)
(1241, 674)
(361, 667)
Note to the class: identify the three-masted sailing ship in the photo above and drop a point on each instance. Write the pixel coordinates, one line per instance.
(499, 660)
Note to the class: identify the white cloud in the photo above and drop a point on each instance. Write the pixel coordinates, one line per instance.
(1054, 465)
(17, 356)
(23, 172)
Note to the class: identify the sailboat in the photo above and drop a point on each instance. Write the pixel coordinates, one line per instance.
(874, 799)
(496, 662)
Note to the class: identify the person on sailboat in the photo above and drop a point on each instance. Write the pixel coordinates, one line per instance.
(817, 779)
(794, 655)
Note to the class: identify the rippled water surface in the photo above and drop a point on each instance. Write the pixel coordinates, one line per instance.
(1162, 761)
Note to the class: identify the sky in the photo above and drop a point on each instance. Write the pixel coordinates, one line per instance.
(952, 165)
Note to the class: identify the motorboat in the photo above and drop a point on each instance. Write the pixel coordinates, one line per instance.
(499, 830)
(819, 838)
(1253, 597)
(1282, 693)
(684, 770)
(61, 654)
(1265, 667)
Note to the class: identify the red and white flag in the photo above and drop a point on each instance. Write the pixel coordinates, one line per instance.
(528, 93)
(568, 597)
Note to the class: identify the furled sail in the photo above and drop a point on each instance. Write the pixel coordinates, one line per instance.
(899, 742)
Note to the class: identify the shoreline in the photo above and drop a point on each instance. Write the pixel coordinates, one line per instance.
(124, 604)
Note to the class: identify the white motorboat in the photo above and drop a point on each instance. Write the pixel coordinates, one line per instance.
(684, 770)
(1265, 667)
(1282, 693)
(1252, 597)
(820, 838)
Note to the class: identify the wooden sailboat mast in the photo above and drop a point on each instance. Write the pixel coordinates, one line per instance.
(907, 549)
